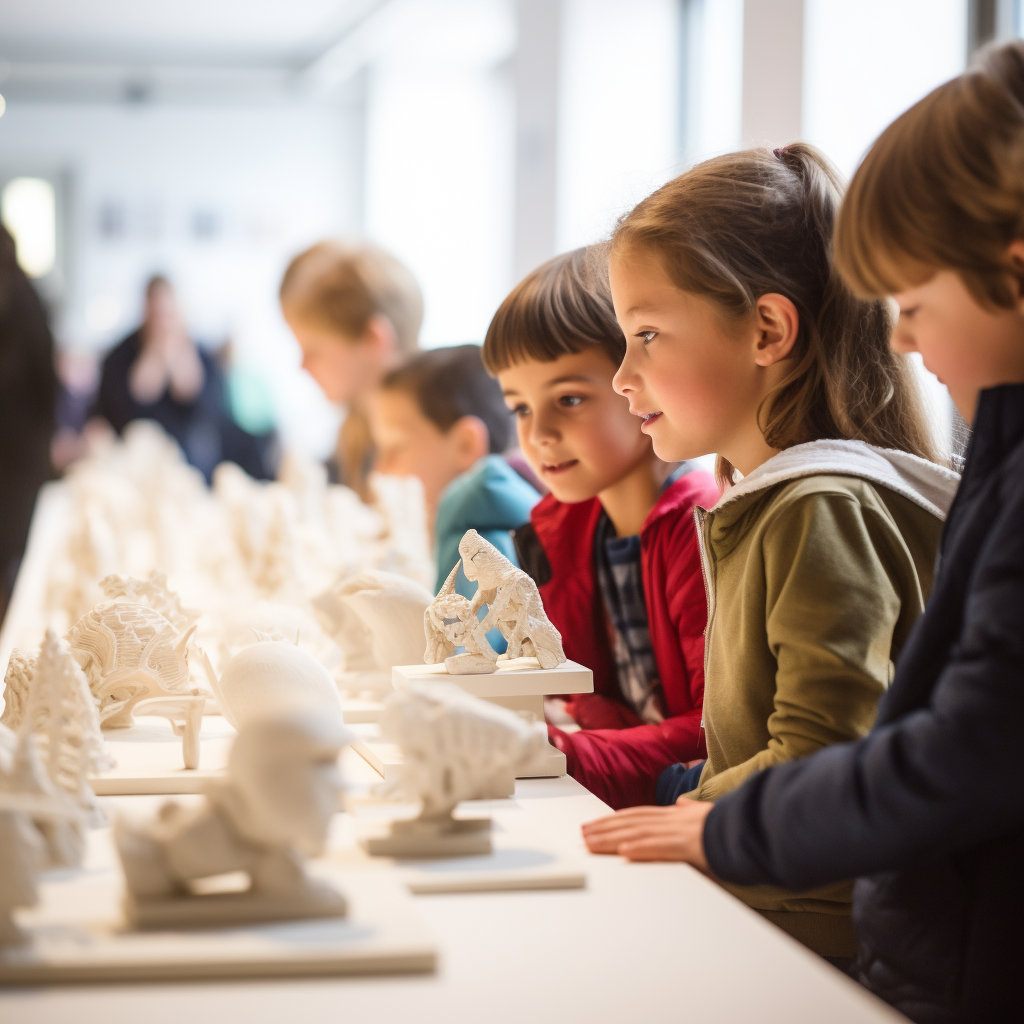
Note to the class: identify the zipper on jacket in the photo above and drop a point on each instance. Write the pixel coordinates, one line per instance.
(700, 516)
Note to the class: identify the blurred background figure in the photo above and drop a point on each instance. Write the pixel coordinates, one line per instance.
(355, 311)
(28, 395)
(159, 373)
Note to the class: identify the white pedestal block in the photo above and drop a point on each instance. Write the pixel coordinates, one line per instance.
(520, 685)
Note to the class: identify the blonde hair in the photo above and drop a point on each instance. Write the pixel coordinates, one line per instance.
(747, 224)
(340, 288)
(942, 188)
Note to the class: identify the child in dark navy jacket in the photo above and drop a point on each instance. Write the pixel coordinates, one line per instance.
(927, 811)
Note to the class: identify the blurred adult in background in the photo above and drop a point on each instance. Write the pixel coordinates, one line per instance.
(28, 396)
(355, 311)
(159, 373)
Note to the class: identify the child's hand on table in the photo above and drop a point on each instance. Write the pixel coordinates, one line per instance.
(653, 833)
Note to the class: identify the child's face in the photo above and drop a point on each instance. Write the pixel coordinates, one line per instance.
(574, 431)
(969, 348)
(408, 444)
(688, 373)
(344, 367)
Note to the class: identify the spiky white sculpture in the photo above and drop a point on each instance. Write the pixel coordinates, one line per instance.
(513, 606)
(455, 747)
(61, 714)
(40, 827)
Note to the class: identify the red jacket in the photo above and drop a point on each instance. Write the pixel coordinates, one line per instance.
(615, 755)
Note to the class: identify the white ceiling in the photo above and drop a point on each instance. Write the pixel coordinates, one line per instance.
(261, 33)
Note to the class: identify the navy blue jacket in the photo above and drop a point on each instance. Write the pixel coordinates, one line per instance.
(927, 811)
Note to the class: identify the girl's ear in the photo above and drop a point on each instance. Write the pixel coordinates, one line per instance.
(777, 324)
(1015, 258)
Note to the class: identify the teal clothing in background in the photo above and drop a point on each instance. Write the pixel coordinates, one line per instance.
(491, 498)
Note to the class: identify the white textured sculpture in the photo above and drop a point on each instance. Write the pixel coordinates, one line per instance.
(455, 747)
(271, 811)
(60, 712)
(375, 618)
(513, 606)
(40, 827)
(273, 677)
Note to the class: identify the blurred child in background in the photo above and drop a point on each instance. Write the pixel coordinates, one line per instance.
(355, 311)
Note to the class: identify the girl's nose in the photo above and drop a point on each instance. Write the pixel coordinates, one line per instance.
(902, 341)
(624, 380)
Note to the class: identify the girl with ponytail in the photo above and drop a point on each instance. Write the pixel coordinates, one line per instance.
(743, 340)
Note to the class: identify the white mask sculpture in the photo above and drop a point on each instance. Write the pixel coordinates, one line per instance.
(40, 827)
(272, 810)
(456, 747)
(513, 606)
(272, 676)
(375, 618)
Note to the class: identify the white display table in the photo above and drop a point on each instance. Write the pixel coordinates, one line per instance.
(647, 943)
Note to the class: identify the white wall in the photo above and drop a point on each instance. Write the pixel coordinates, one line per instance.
(439, 159)
(619, 134)
(269, 179)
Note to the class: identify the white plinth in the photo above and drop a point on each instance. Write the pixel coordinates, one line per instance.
(78, 933)
(520, 685)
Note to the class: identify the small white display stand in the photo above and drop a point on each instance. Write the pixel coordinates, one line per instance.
(149, 758)
(78, 933)
(521, 858)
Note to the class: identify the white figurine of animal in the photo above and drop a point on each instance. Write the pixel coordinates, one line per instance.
(513, 606)
(272, 810)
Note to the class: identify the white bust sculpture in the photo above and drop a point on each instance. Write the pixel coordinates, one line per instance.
(513, 606)
(269, 677)
(455, 747)
(272, 810)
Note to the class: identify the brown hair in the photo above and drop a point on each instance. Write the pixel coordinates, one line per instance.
(743, 225)
(339, 288)
(449, 383)
(942, 188)
(562, 307)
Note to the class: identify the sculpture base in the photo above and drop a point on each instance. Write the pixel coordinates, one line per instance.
(420, 838)
(221, 910)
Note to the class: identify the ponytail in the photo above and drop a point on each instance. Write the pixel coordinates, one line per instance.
(743, 225)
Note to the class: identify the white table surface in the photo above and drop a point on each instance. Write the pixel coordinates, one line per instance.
(643, 942)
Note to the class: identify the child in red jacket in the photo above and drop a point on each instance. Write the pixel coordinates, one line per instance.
(613, 547)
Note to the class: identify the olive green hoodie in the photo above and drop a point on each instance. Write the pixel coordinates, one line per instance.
(817, 565)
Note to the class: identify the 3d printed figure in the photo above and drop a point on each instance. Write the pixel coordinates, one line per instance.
(60, 712)
(513, 606)
(374, 618)
(40, 827)
(273, 677)
(271, 811)
(455, 747)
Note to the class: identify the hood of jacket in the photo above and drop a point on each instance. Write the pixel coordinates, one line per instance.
(928, 485)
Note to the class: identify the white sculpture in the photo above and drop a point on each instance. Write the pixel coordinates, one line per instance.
(60, 712)
(455, 747)
(153, 592)
(271, 677)
(271, 811)
(375, 618)
(40, 827)
(513, 606)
